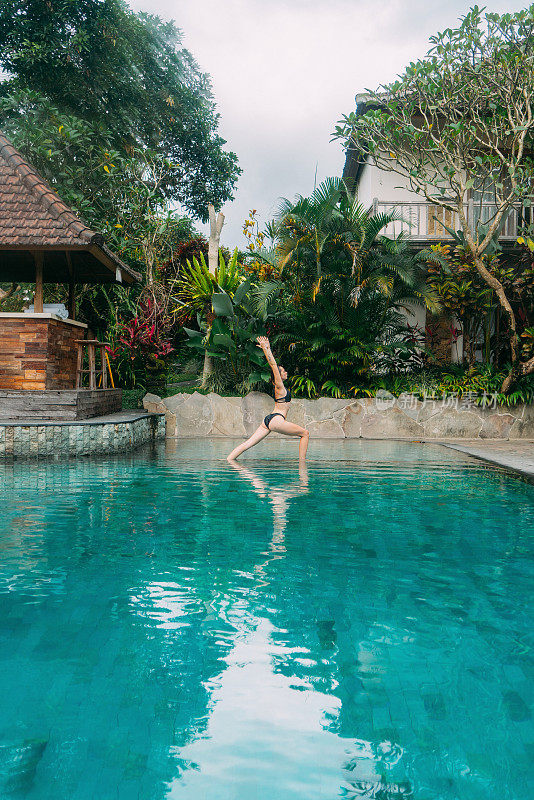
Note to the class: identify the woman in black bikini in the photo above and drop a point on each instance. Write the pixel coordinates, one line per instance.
(277, 420)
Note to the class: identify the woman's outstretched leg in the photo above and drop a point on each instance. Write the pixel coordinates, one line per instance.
(259, 434)
(280, 425)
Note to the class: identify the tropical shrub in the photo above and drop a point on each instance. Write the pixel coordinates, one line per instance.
(335, 311)
(228, 336)
(140, 348)
(479, 385)
(196, 285)
(464, 294)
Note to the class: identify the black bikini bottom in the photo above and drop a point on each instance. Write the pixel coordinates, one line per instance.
(269, 417)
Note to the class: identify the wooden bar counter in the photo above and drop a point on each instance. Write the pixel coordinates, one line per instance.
(38, 351)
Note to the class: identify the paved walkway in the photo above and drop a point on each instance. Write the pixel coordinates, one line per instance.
(518, 455)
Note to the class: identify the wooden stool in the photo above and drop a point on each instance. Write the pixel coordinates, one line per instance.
(91, 345)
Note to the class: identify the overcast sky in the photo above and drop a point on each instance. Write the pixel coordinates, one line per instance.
(284, 71)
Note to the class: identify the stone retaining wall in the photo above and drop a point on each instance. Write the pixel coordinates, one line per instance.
(64, 440)
(383, 417)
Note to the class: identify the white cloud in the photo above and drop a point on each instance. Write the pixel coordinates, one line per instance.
(284, 71)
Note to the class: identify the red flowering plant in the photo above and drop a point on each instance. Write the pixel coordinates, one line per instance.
(141, 346)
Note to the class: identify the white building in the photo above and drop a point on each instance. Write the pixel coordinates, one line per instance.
(420, 221)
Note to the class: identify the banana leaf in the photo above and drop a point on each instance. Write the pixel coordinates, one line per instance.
(257, 359)
(224, 340)
(193, 334)
(222, 305)
(241, 292)
(219, 326)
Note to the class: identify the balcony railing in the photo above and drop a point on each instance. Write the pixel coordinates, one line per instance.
(427, 222)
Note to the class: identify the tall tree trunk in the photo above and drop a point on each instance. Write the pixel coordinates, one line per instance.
(216, 225)
(497, 286)
(207, 369)
(516, 368)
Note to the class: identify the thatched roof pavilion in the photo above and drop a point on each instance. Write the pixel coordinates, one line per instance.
(40, 234)
(43, 241)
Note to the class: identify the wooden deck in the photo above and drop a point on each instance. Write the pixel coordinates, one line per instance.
(57, 404)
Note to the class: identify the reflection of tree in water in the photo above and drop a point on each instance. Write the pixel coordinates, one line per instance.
(128, 638)
(131, 584)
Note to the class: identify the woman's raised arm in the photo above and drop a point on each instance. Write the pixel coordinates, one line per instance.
(264, 343)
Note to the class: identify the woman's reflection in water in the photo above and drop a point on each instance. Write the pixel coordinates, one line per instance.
(279, 498)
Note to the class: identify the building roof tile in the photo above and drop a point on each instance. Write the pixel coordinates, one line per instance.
(33, 216)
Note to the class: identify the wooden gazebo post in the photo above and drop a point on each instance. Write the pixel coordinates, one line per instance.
(38, 295)
(72, 298)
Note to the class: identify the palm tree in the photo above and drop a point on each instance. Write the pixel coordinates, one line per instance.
(196, 287)
(343, 283)
(310, 221)
(331, 218)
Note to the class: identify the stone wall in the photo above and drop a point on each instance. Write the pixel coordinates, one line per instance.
(383, 417)
(68, 439)
(38, 351)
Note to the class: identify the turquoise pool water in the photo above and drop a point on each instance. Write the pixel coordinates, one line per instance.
(171, 627)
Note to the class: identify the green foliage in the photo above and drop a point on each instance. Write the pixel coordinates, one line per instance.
(197, 286)
(310, 222)
(335, 310)
(133, 398)
(528, 342)
(463, 292)
(119, 119)
(459, 121)
(140, 346)
(231, 341)
(479, 384)
(127, 75)
(190, 247)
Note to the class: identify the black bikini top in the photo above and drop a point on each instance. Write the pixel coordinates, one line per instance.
(286, 399)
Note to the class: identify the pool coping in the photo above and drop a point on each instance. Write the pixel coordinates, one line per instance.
(483, 452)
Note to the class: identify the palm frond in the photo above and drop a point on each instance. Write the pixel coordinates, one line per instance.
(264, 294)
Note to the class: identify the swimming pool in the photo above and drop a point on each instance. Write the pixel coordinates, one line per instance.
(172, 627)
